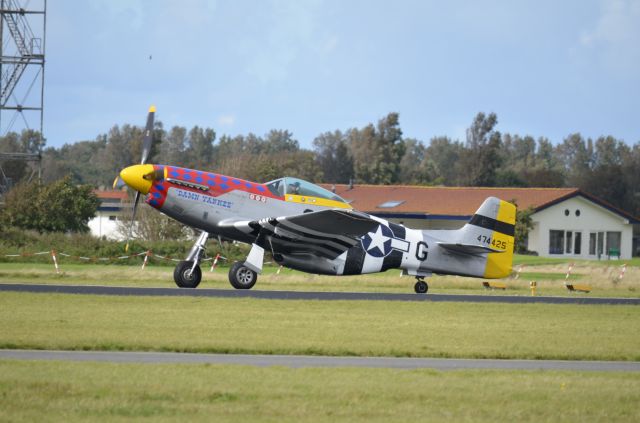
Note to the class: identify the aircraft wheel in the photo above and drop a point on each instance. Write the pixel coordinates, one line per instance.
(421, 287)
(183, 276)
(242, 277)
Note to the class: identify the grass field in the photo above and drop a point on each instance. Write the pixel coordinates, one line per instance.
(62, 391)
(55, 391)
(601, 276)
(363, 328)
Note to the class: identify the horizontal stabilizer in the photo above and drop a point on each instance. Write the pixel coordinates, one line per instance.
(469, 248)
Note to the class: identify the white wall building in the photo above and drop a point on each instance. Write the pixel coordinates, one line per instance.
(582, 228)
(105, 222)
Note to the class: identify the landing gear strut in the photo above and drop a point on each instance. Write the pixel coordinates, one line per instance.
(187, 273)
(421, 286)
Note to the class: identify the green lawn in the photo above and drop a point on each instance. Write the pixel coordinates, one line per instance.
(70, 392)
(540, 261)
(64, 391)
(363, 328)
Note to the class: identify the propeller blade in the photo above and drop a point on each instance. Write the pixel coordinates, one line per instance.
(146, 150)
(133, 220)
(148, 135)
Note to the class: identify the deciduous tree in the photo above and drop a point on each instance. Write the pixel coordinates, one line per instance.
(481, 159)
(377, 151)
(60, 206)
(333, 156)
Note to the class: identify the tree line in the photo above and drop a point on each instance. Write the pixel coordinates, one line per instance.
(377, 153)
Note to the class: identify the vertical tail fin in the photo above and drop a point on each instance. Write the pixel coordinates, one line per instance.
(493, 226)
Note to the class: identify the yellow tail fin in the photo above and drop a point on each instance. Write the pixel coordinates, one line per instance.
(499, 264)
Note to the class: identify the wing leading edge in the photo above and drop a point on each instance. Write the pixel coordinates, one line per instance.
(326, 233)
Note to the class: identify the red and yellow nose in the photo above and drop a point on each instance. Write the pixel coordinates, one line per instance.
(134, 176)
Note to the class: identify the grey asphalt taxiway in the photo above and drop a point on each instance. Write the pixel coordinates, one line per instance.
(300, 361)
(306, 295)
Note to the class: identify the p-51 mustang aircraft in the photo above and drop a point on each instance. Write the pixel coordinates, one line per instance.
(308, 228)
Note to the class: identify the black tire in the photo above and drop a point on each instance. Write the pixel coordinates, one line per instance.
(421, 287)
(183, 276)
(241, 277)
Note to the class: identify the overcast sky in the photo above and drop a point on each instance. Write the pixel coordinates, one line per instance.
(546, 67)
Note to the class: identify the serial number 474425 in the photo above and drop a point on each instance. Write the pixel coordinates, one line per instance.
(492, 241)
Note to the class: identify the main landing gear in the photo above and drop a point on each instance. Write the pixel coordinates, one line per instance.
(421, 286)
(242, 275)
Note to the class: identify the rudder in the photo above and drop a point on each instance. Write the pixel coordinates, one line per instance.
(493, 226)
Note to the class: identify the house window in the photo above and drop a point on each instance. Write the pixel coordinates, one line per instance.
(556, 242)
(569, 243)
(390, 204)
(565, 242)
(596, 243)
(577, 246)
(600, 243)
(613, 243)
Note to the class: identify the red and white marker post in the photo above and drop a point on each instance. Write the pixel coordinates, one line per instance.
(622, 270)
(146, 259)
(566, 278)
(55, 261)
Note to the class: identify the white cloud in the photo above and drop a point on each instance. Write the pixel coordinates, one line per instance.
(615, 39)
(226, 120)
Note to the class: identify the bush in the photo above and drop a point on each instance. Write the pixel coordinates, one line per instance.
(58, 206)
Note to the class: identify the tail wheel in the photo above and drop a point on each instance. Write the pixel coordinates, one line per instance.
(241, 277)
(421, 287)
(184, 277)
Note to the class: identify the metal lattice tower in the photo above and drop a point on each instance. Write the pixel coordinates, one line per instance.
(22, 59)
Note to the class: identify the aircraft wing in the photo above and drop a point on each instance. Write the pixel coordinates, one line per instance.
(326, 233)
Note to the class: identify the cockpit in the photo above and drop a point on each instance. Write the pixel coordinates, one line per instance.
(295, 186)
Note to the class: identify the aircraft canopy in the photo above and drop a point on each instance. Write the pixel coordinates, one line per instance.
(295, 186)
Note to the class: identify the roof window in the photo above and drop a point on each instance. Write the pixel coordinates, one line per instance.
(390, 204)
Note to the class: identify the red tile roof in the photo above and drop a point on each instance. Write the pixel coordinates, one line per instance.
(449, 201)
(111, 194)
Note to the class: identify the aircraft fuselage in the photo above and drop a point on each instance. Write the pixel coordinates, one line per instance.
(212, 202)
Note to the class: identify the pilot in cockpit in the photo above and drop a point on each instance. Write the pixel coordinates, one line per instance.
(294, 188)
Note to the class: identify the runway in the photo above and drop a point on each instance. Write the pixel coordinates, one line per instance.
(300, 361)
(304, 295)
